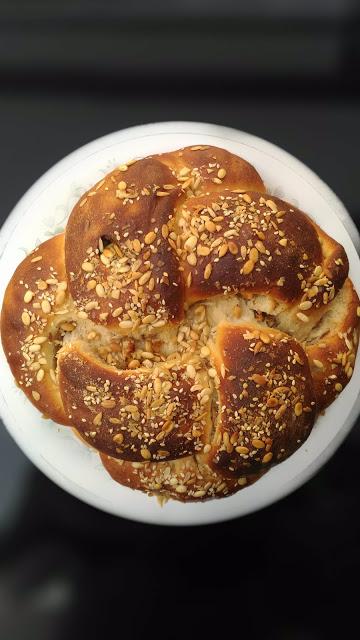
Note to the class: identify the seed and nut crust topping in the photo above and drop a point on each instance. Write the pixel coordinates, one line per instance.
(188, 325)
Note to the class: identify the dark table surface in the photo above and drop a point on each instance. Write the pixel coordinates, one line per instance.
(67, 570)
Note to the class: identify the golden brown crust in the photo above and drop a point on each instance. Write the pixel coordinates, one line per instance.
(332, 353)
(30, 326)
(131, 277)
(203, 168)
(190, 479)
(205, 326)
(267, 404)
(147, 414)
(255, 244)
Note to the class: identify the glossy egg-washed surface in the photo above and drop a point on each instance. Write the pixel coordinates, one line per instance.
(189, 325)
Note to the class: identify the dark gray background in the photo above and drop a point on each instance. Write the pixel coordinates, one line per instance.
(286, 71)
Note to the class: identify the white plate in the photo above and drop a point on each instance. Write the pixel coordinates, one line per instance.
(43, 211)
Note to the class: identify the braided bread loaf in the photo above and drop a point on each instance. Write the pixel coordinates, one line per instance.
(189, 326)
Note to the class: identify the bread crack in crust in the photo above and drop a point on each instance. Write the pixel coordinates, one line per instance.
(188, 325)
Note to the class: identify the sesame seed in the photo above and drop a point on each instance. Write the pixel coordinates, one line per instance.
(210, 226)
(190, 243)
(25, 318)
(258, 444)
(223, 249)
(36, 395)
(254, 255)
(108, 404)
(28, 296)
(242, 450)
(145, 453)
(318, 364)
(260, 246)
(202, 250)
(157, 385)
(136, 245)
(259, 379)
(302, 317)
(100, 291)
(91, 284)
(91, 305)
(280, 412)
(248, 267)
(181, 488)
(207, 271)
(125, 324)
(40, 375)
(87, 266)
(145, 278)
(164, 231)
(150, 237)
(304, 306)
(271, 204)
(46, 306)
(298, 409)
(191, 371)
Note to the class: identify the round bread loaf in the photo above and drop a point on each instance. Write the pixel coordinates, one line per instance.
(188, 325)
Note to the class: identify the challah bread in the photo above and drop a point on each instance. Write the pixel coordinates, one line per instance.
(123, 273)
(203, 168)
(189, 326)
(143, 414)
(186, 479)
(332, 345)
(34, 320)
